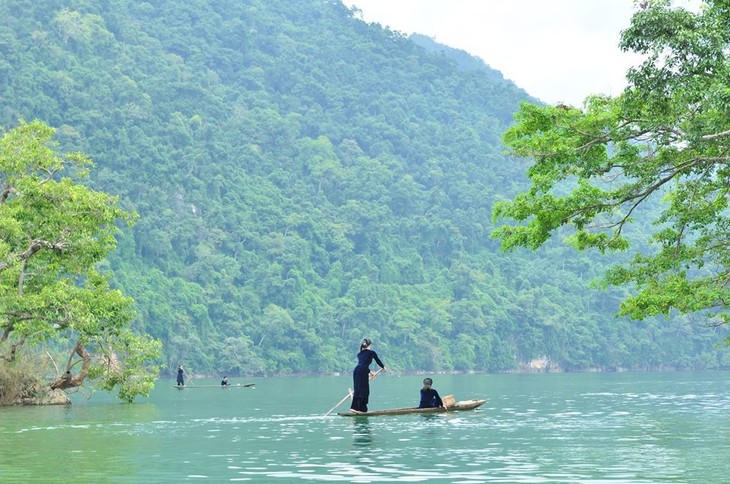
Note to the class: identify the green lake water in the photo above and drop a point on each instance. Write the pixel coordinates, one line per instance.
(538, 428)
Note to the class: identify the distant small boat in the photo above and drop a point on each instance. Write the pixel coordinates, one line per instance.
(457, 406)
(238, 385)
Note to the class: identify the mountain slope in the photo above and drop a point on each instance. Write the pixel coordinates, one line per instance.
(303, 180)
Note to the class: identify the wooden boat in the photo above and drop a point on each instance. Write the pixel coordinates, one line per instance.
(457, 406)
(237, 385)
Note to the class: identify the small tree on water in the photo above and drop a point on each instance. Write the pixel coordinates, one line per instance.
(55, 232)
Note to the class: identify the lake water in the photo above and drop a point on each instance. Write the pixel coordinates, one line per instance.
(546, 428)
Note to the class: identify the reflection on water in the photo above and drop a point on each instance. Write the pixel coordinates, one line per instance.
(617, 428)
(361, 435)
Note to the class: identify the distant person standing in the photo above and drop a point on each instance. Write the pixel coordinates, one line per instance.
(180, 376)
(429, 396)
(361, 376)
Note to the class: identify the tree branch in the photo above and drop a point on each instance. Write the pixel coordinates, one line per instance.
(68, 380)
(6, 193)
(710, 137)
(13, 348)
(34, 247)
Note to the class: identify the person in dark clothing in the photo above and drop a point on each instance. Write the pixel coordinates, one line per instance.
(361, 376)
(180, 376)
(429, 397)
(224, 382)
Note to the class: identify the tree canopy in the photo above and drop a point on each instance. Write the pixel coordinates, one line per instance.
(658, 153)
(55, 233)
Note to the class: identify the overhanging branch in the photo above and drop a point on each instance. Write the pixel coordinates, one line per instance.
(68, 380)
(710, 137)
(34, 247)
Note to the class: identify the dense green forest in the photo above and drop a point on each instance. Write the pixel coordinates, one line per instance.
(304, 179)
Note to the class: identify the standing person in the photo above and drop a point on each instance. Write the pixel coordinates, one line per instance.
(361, 376)
(429, 396)
(180, 376)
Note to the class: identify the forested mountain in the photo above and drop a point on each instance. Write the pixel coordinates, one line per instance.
(304, 179)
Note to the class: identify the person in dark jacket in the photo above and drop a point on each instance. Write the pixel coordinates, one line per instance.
(180, 376)
(429, 397)
(362, 375)
(224, 382)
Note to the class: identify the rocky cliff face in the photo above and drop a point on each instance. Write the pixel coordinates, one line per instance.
(32, 392)
(541, 364)
(45, 396)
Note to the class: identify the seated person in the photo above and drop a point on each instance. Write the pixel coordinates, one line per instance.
(224, 382)
(429, 397)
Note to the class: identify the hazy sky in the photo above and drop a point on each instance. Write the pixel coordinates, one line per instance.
(556, 50)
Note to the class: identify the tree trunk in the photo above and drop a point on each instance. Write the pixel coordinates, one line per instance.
(23, 387)
(68, 380)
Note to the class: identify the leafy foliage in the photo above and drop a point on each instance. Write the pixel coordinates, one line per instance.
(56, 232)
(304, 179)
(662, 143)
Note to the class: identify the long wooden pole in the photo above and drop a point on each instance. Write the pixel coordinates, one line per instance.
(190, 380)
(349, 393)
(371, 377)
